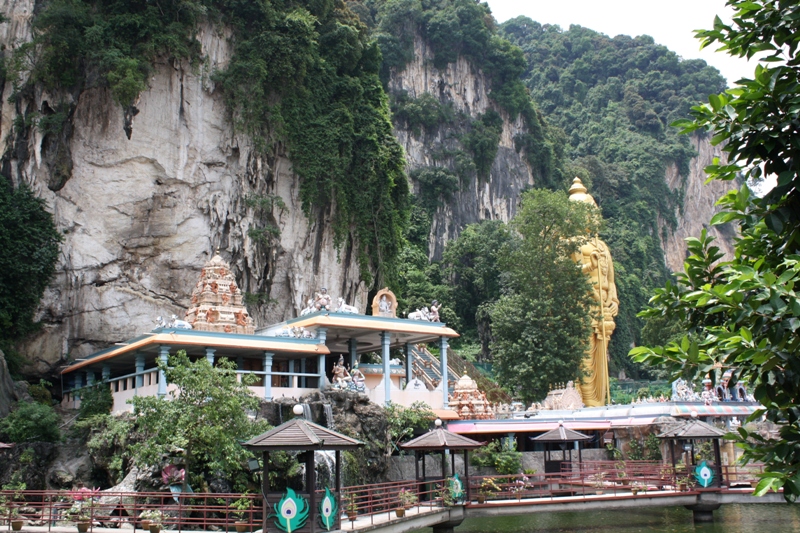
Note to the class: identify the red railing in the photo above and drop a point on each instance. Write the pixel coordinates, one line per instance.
(179, 512)
(365, 503)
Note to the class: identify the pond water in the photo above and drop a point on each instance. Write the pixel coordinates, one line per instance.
(768, 518)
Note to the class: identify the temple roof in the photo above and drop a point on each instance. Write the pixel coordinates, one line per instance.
(196, 342)
(365, 329)
(441, 439)
(300, 434)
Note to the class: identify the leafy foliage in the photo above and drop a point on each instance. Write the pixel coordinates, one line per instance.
(613, 98)
(31, 422)
(206, 419)
(471, 268)
(541, 322)
(743, 315)
(502, 456)
(404, 421)
(29, 241)
(96, 400)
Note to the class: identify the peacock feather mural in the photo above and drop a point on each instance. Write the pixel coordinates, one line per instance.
(291, 512)
(328, 510)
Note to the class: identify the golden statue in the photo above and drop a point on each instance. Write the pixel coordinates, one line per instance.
(595, 257)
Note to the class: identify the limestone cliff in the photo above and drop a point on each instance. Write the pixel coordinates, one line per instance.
(141, 215)
(698, 205)
(465, 86)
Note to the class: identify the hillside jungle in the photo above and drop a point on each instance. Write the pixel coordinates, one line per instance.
(315, 76)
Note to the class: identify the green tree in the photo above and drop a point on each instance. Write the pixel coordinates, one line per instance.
(31, 422)
(471, 268)
(744, 314)
(29, 241)
(206, 417)
(403, 421)
(540, 325)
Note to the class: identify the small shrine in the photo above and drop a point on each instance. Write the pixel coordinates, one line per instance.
(217, 301)
(384, 303)
(470, 402)
(563, 397)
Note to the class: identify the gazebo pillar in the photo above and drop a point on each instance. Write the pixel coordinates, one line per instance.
(210, 355)
(443, 361)
(387, 382)
(89, 378)
(162, 378)
(106, 372)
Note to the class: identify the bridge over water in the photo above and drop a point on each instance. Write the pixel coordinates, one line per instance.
(443, 519)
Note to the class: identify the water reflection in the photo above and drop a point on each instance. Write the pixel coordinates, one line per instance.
(728, 519)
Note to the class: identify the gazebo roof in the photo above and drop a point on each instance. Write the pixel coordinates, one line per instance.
(300, 434)
(441, 439)
(692, 429)
(562, 434)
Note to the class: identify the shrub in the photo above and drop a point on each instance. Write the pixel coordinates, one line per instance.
(31, 422)
(96, 400)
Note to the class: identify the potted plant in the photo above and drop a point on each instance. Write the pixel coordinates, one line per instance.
(80, 513)
(598, 482)
(242, 506)
(16, 521)
(684, 483)
(622, 474)
(351, 507)
(488, 486)
(151, 517)
(407, 498)
(637, 487)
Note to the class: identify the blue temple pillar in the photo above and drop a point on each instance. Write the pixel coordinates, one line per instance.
(89, 378)
(210, 355)
(163, 356)
(322, 336)
(387, 380)
(268, 376)
(139, 362)
(409, 362)
(78, 385)
(443, 360)
(106, 372)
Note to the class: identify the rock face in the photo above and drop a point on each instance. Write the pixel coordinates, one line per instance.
(7, 393)
(143, 197)
(468, 90)
(698, 205)
(141, 215)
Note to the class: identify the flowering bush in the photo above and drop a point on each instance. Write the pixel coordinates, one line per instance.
(406, 497)
(153, 515)
(521, 484)
(82, 502)
(488, 486)
(172, 475)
